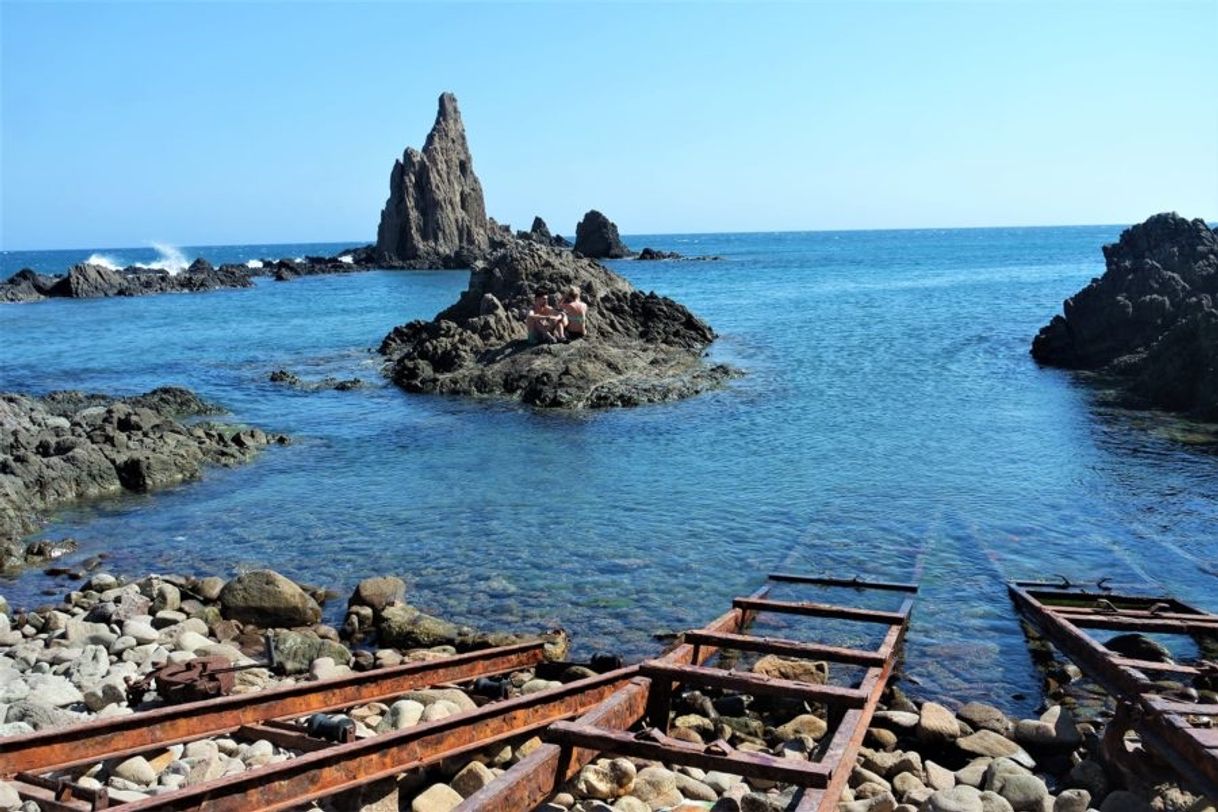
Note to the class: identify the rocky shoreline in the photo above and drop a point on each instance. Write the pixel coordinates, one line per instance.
(1150, 323)
(67, 662)
(68, 446)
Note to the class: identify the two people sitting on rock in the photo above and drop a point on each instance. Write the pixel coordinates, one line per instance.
(550, 323)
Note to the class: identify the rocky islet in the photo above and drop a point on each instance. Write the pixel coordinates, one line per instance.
(1151, 321)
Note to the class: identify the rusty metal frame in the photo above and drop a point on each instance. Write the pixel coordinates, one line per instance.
(125, 736)
(648, 698)
(324, 768)
(1063, 616)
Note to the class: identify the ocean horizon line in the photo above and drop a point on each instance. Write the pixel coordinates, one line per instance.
(626, 236)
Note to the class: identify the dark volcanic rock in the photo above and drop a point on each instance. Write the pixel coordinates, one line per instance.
(596, 237)
(86, 281)
(435, 213)
(70, 445)
(651, 254)
(1150, 319)
(640, 348)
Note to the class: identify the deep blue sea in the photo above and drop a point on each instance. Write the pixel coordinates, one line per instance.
(889, 408)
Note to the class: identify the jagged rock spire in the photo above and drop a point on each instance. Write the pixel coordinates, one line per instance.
(435, 211)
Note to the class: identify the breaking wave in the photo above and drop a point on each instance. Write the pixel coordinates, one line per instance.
(169, 259)
(347, 259)
(254, 264)
(104, 261)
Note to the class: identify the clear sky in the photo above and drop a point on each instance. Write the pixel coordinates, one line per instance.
(209, 123)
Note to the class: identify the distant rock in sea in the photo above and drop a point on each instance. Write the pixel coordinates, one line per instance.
(640, 348)
(596, 237)
(540, 233)
(1150, 320)
(89, 281)
(435, 215)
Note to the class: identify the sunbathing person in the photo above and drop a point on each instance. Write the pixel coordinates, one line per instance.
(576, 313)
(546, 324)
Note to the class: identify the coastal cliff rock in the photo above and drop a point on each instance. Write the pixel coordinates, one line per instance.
(641, 348)
(435, 215)
(70, 445)
(1150, 320)
(596, 237)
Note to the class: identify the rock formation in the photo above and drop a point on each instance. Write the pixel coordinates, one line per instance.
(70, 445)
(641, 348)
(1150, 320)
(86, 281)
(596, 237)
(435, 215)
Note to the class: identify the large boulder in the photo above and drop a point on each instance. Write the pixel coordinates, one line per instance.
(596, 237)
(435, 213)
(1150, 320)
(267, 599)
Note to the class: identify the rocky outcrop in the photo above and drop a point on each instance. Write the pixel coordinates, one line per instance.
(540, 233)
(435, 215)
(641, 348)
(1151, 319)
(86, 281)
(652, 255)
(68, 446)
(596, 237)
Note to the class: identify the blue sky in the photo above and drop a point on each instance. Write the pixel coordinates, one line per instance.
(248, 123)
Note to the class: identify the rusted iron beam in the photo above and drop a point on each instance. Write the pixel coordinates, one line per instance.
(527, 784)
(1173, 737)
(1078, 646)
(753, 684)
(843, 747)
(1143, 624)
(789, 648)
(343, 767)
(127, 735)
(292, 740)
(850, 582)
(813, 609)
(47, 800)
(737, 762)
(1172, 706)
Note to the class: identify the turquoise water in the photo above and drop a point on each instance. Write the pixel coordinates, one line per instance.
(890, 407)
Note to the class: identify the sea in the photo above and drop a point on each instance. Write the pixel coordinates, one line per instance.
(890, 425)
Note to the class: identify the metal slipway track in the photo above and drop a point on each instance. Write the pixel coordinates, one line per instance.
(45, 766)
(324, 768)
(1185, 734)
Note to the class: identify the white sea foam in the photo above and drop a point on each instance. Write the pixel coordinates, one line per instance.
(347, 259)
(170, 259)
(104, 261)
(254, 263)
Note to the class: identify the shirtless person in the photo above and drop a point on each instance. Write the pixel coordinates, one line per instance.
(576, 312)
(544, 322)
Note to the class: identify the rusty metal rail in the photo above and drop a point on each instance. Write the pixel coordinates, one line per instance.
(1182, 733)
(124, 736)
(648, 699)
(323, 768)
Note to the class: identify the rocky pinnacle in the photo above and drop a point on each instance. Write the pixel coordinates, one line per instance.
(435, 211)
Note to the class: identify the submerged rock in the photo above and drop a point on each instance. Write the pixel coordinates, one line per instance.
(640, 348)
(596, 237)
(435, 214)
(1150, 320)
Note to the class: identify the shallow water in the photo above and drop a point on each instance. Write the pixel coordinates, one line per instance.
(890, 408)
